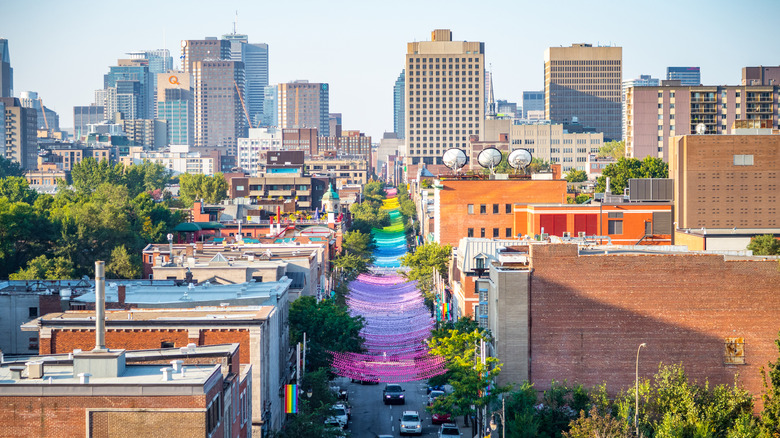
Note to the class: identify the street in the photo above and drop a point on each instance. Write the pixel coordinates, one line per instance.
(371, 417)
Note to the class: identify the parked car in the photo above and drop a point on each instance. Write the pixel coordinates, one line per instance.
(433, 395)
(393, 393)
(341, 393)
(449, 430)
(435, 388)
(410, 423)
(339, 416)
(441, 418)
(366, 379)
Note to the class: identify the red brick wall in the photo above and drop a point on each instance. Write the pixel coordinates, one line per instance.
(65, 341)
(590, 313)
(228, 336)
(66, 416)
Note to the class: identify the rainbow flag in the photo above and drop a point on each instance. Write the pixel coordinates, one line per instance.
(291, 399)
(445, 308)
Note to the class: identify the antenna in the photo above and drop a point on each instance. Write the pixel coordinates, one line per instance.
(489, 158)
(235, 22)
(519, 159)
(455, 159)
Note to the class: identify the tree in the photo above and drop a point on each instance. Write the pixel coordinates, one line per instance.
(212, 189)
(358, 243)
(374, 193)
(25, 233)
(146, 177)
(366, 216)
(43, 268)
(770, 418)
(765, 244)
(575, 175)
(312, 412)
(422, 263)
(352, 265)
(613, 149)
(89, 174)
(328, 327)
(121, 265)
(538, 165)
(597, 425)
(10, 168)
(627, 168)
(16, 189)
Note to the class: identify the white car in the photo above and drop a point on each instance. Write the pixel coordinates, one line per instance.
(339, 416)
(449, 430)
(410, 423)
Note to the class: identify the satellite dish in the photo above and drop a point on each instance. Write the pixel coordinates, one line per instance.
(701, 128)
(454, 158)
(489, 158)
(519, 158)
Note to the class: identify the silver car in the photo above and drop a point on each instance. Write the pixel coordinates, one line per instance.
(410, 423)
(449, 430)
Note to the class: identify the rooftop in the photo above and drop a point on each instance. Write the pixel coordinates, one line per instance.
(247, 313)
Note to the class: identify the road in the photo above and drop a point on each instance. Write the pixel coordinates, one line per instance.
(371, 417)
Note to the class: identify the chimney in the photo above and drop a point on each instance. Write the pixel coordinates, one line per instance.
(120, 291)
(100, 306)
(606, 190)
(189, 250)
(199, 247)
(156, 259)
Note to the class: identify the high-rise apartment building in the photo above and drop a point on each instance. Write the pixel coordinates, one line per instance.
(655, 114)
(444, 95)
(304, 104)
(399, 106)
(532, 101)
(251, 149)
(175, 105)
(583, 83)
(219, 117)
(21, 135)
(6, 72)
(688, 76)
(641, 81)
(129, 90)
(761, 75)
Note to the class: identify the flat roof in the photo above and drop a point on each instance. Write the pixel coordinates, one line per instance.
(200, 314)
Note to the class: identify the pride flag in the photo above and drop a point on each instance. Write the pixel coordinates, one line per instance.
(445, 308)
(291, 399)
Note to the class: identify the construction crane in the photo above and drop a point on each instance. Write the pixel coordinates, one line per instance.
(43, 110)
(246, 113)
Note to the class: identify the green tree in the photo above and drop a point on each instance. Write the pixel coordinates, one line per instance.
(765, 244)
(43, 268)
(374, 193)
(538, 165)
(575, 175)
(422, 263)
(366, 216)
(328, 327)
(770, 417)
(357, 243)
(121, 265)
(212, 189)
(10, 168)
(146, 177)
(351, 265)
(89, 174)
(597, 424)
(613, 149)
(16, 189)
(627, 168)
(312, 412)
(25, 232)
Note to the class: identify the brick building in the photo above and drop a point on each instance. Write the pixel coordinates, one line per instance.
(591, 307)
(126, 394)
(258, 330)
(465, 207)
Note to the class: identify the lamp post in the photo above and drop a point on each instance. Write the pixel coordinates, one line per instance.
(636, 390)
(502, 415)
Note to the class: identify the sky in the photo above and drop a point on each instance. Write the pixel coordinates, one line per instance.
(62, 49)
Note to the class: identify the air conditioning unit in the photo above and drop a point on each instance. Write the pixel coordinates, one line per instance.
(581, 234)
(545, 236)
(566, 234)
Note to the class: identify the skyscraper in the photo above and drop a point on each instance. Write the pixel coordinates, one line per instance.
(175, 105)
(688, 76)
(255, 59)
(158, 61)
(532, 101)
(6, 72)
(304, 104)
(47, 118)
(398, 105)
(584, 82)
(270, 115)
(444, 95)
(132, 89)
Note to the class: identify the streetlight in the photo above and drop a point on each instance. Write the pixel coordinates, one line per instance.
(502, 415)
(636, 390)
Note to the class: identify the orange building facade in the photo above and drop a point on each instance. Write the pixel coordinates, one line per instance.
(636, 223)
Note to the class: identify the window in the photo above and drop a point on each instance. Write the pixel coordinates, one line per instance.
(508, 232)
(495, 208)
(495, 232)
(471, 208)
(615, 227)
(508, 208)
(165, 344)
(483, 210)
(33, 311)
(481, 232)
(470, 232)
(734, 351)
(743, 160)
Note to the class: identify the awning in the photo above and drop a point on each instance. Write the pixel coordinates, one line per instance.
(209, 225)
(188, 227)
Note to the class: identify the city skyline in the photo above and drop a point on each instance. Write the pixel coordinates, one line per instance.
(326, 40)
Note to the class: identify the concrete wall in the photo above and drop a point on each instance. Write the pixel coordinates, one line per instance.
(15, 310)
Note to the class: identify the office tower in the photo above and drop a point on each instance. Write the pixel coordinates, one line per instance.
(761, 75)
(21, 135)
(270, 117)
(532, 101)
(6, 72)
(641, 81)
(688, 76)
(334, 124)
(219, 116)
(582, 84)
(176, 106)
(304, 104)
(158, 61)
(47, 118)
(85, 115)
(398, 105)
(255, 59)
(2, 129)
(129, 90)
(655, 114)
(444, 95)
